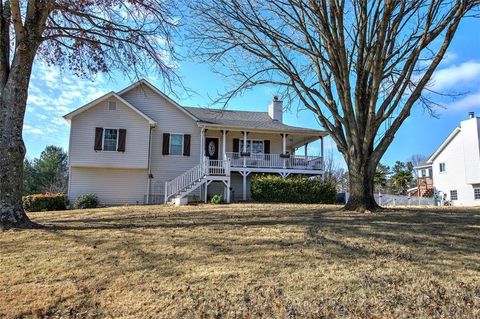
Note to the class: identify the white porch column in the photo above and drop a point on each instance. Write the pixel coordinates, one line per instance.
(224, 144)
(284, 136)
(244, 147)
(321, 149)
(202, 144)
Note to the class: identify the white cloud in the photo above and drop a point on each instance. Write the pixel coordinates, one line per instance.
(451, 77)
(468, 103)
(32, 130)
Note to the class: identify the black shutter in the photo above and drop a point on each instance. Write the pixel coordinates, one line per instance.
(266, 149)
(266, 146)
(186, 144)
(236, 145)
(166, 144)
(122, 136)
(98, 139)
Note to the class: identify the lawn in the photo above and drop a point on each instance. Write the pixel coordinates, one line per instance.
(243, 261)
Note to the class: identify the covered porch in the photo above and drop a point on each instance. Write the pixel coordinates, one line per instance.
(248, 151)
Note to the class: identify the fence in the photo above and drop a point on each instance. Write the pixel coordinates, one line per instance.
(400, 200)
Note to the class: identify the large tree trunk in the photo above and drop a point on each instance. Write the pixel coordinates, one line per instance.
(361, 175)
(13, 103)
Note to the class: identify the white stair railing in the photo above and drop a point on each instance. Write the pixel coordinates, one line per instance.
(181, 182)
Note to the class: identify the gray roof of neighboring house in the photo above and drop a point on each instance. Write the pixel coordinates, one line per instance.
(245, 120)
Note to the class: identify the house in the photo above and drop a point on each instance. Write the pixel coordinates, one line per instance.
(424, 174)
(140, 146)
(455, 165)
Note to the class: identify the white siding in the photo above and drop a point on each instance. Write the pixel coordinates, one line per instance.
(112, 186)
(457, 166)
(470, 137)
(169, 119)
(82, 137)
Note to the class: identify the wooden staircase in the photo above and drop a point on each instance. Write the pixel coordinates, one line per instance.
(202, 174)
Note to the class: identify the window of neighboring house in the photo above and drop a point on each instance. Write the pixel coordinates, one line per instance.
(110, 139)
(442, 167)
(112, 105)
(176, 144)
(476, 193)
(453, 195)
(253, 146)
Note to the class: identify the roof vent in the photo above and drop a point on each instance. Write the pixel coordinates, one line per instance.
(275, 110)
(471, 115)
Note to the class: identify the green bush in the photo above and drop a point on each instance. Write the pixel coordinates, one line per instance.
(45, 202)
(86, 201)
(217, 199)
(271, 188)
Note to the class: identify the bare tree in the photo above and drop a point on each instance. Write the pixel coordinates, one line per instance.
(359, 65)
(86, 36)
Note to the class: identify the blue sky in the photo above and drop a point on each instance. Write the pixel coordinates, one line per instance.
(53, 93)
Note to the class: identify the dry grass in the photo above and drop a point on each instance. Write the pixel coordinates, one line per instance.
(243, 261)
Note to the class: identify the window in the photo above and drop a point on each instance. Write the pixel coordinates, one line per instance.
(453, 195)
(110, 139)
(442, 167)
(176, 144)
(476, 193)
(253, 146)
(112, 105)
(424, 172)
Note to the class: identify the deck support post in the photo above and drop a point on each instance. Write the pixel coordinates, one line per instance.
(206, 191)
(244, 175)
(306, 150)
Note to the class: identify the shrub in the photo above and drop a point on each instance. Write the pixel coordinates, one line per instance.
(271, 188)
(45, 202)
(217, 199)
(86, 201)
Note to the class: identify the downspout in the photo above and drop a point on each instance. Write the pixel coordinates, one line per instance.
(149, 169)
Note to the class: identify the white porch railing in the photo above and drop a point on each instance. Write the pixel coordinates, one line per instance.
(256, 160)
(195, 174)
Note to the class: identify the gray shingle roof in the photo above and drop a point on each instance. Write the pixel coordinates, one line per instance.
(245, 120)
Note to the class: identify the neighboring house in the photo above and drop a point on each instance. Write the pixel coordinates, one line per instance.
(456, 165)
(424, 173)
(140, 146)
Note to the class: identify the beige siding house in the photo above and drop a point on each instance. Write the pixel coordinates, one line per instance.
(139, 146)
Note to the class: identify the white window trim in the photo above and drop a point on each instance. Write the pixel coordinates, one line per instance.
(103, 138)
(170, 145)
(444, 168)
(254, 139)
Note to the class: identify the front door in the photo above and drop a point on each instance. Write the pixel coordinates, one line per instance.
(211, 148)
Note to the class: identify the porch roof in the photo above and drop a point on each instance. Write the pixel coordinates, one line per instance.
(249, 120)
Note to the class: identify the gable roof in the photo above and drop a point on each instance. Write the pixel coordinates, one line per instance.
(443, 145)
(246, 120)
(154, 88)
(82, 109)
(260, 121)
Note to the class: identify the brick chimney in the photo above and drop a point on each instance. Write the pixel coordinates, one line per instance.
(275, 110)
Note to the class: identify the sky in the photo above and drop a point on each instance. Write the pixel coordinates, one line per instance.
(53, 93)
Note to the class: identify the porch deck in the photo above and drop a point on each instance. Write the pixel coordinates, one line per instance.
(274, 162)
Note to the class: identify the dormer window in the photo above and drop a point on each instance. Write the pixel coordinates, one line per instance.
(112, 105)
